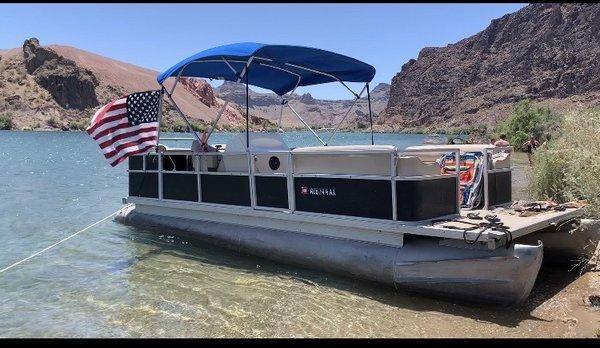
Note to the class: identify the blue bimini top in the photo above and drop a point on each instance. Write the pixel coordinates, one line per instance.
(274, 67)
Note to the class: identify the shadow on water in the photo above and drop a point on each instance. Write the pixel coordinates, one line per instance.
(551, 279)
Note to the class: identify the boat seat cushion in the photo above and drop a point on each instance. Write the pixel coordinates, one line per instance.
(346, 148)
(350, 159)
(413, 166)
(500, 161)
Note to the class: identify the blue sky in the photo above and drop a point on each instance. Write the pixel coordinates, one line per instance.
(157, 36)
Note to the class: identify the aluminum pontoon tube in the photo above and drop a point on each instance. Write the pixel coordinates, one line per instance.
(502, 276)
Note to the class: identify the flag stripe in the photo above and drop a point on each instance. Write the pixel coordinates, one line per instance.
(122, 124)
(116, 121)
(137, 138)
(105, 121)
(124, 157)
(126, 145)
(100, 113)
(119, 134)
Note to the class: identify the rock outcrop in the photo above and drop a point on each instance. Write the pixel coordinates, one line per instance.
(69, 85)
(201, 90)
(60, 87)
(306, 98)
(545, 52)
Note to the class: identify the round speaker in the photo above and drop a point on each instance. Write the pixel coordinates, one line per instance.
(274, 163)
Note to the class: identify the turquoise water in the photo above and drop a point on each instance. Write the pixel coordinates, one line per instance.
(114, 280)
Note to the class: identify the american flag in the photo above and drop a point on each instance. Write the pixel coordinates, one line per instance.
(127, 126)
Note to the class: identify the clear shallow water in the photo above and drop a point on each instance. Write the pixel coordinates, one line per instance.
(114, 280)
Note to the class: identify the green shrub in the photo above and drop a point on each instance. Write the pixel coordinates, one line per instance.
(568, 168)
(54, 122)
(199, 126)
(6, 122)
(526, 120)
(77, 125)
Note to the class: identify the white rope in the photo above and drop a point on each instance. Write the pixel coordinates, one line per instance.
(57, 243)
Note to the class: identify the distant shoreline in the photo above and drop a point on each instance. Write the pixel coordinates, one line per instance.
(217, 131)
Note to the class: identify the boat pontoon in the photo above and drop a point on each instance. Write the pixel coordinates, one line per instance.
(426, 218)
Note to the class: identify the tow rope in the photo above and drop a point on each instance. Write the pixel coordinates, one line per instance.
(492, 222)
(57, 243)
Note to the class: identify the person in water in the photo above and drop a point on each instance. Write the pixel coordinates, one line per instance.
(502, 142)
(529, 146)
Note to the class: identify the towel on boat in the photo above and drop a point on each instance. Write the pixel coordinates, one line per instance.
(470, 176)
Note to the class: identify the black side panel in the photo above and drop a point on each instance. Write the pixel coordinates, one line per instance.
(353, 197)
(425, 199)
(271, 191)
(151, 162)
(181, 163)
(226, 189)
(143, 185)
(136, 162)
(500, 188)
(183, 187)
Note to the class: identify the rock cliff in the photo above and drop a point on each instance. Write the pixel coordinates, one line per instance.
(60, 87)
(69, 85)
(546, 52)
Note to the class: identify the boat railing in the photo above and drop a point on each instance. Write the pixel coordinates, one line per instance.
(269, 180)
(435, 172)
(498, 179)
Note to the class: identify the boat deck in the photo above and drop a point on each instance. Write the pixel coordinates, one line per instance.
(518, 226)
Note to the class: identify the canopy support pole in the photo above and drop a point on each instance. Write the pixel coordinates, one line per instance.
(345, 115)
(305, 124)
(285, 101)
(170, 97)
(220, 113)
(324, 74)
(370, 114)
(214, 124)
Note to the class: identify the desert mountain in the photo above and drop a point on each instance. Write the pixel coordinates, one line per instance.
(317, 112)
(60, 87)
(546, 52)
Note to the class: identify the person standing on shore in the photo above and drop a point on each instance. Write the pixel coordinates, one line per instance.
(545, 143)
(502, 142)
(529, 146)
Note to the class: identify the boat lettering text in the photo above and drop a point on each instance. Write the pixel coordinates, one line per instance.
(317, 191)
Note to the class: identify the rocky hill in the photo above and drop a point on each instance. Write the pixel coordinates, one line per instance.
(317, 112)
(60, 87)
(546, 52)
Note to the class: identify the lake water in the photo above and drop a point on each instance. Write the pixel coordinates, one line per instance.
(114, 280)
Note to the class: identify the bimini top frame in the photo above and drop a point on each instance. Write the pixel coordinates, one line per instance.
(279, 68)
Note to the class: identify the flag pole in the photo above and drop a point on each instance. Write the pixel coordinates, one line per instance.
(247, 111)
(370, 114)
(160, 106)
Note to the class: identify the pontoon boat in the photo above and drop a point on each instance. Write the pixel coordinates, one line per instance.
(427, 218)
